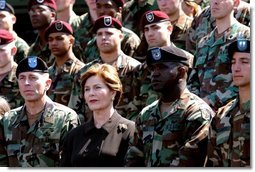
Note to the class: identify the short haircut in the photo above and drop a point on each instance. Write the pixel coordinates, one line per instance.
(109, 75)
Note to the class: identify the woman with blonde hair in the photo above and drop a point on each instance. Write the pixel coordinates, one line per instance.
(103, 140)
(4, 106)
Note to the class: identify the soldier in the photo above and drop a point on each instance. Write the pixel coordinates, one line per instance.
(41, 13)
(211, 77)
(130, 41)
(8, 81)
(31, 135)
(180, 21)
(7, 20)
(229, 136)
(60, 39)
(204, 23)
(65, 10)
(157, 31)
(108, 36)
(172, 131)
(133, 11)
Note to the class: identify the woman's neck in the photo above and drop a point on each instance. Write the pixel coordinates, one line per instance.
(102, 116)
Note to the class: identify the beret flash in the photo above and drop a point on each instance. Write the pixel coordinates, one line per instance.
(32, 64)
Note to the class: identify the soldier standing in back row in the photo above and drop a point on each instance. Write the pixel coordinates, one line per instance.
(8, 81)
(7, 20)
(60, 39)
(41, 13)
(211, 77)
(172, 131)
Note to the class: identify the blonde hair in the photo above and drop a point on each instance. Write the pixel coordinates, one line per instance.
(4, 106)
(109, 75)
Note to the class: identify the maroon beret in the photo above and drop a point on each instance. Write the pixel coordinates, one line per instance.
(5, 37)
(106, 22)
(119, 3)
(58, 26)
(50, 3)
(153, 17)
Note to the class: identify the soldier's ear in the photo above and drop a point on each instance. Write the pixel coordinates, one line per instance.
(13, 50)
(181, 72)
(72, 39)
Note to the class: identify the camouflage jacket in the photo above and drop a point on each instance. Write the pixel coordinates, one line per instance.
(211, 76)
(22, 49)
(40, 144)
(142, 91)
(176, 138)
(229, 136)
(10, 90)
(62, 80)
(180, 28)
(82, 27)
(125, 64)
(43, 52)
(129, 44)
(204, 23)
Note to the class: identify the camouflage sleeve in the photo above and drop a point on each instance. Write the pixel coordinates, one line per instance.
(193, 82)
(213, 159)
(193, 151)
(217, 99)
(76, 101)
(72, 121)
(135, 155)
(3, 152)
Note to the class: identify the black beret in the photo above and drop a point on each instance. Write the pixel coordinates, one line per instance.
(4, 6)
(239, 45)
(49, 3)
(150, 17)
(169, 54)
(59, 26)
(5, 37)
(32, 64)
(107, 22)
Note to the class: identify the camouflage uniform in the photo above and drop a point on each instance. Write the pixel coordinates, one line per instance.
(82, 27)
(205, 23)
(10, 90)
(229, 136)
(143, 93)
(40, 144)
(129, 44)
(180, 28)
(62, 79)
(211, 76)
(22, 49)
(133, 11)
(177, 138)
(124, 65)
(43, 52)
